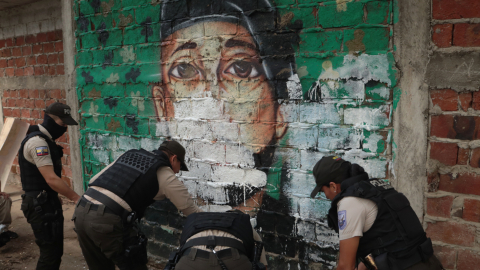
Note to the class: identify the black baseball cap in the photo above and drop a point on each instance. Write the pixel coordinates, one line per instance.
(63, 111)
(177, 149)
(329, 169)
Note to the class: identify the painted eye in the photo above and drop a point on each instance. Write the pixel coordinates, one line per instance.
(183, 71)
(243, 69)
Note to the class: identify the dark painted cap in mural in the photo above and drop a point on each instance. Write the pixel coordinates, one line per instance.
(63, 111)
(329, 169)
(177, 149)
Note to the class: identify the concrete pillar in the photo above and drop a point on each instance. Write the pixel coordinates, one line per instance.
(412, 35)
(68, 20)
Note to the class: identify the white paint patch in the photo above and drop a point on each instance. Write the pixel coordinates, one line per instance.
(294, 87)
(319, 113)
(306, 230)
(113, 78)
(212, 152)
(199, 108)
(371, 143)
(302, 136)
(339, 138)
(342, 5)
(94, 111)
(367, 116)
(383, 92)
(299, 184)
(166, 128)
(239, 155)
(308, 159)
(290, 111)
(101, 156)
(352, 89)
(223, 131)
(231, 175)
(376, 168)
(127, 54)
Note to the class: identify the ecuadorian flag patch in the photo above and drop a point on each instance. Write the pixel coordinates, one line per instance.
(42, 151)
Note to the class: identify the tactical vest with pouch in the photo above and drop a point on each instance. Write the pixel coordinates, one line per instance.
(32, 179)
(133, 177)
(396, 239)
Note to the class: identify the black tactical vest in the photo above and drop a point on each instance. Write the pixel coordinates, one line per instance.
(32, 179)
(396, 231)
(133, 177)
(237, 224)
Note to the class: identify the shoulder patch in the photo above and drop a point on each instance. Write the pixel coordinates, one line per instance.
(342, 219)
(41, 151)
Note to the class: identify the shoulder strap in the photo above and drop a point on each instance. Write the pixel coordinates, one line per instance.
(213, 241)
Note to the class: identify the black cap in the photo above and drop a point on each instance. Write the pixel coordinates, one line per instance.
(177, 149)
(329, 169)
(63, 111)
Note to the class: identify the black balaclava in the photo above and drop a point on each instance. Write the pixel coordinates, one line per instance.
(258, 17)
(55, 130)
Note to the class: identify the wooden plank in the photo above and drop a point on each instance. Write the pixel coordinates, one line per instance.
(12, 135)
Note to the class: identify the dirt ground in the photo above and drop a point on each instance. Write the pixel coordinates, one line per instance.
(22, 253)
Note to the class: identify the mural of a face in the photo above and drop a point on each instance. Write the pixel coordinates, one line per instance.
(225, 67)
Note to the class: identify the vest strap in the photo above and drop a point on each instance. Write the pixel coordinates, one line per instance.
(108, 202)
(213, 241)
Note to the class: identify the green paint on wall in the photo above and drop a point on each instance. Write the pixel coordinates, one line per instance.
(329, 17)
(378, 12)
(324, 41)
(367, 40)
(397, 94)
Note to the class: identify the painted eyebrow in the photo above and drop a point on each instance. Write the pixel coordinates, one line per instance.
(236, 43)
(186, 46)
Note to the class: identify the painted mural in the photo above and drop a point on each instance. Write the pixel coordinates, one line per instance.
(257, 91)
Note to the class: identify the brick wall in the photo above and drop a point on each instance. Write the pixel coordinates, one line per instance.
(330, 91)
(453, 199)
(31, 67)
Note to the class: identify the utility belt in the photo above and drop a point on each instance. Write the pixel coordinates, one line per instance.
(386, 261)
(111, 206)
(211, 242)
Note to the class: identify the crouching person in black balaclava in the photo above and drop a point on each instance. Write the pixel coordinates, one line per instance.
(40, 160)
(377, 227)
(219, 241)
(106, 216)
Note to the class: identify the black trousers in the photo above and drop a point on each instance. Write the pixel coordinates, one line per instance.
(47, 225)
(235, 261)
(103, 238)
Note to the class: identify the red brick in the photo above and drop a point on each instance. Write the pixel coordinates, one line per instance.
(60, 70)
(25, 113)
(3, 63)
(7, 52)
(9, 42)
(31, 61)
(59, 46)
(42, 94)
(11, 102)
(41, 37)
(20, 102)
(465, 100)
(49, 102)
(30, 103)
(20, 62)
(68, 171)
(466, 35)
(33, 93)
(7, 112)
(27, 50)
(446, 255)
(442, 126)
(446, 99)
(51, 36)
(56, 93)
(455, 9)
(58, 35)
(471, 210)
(30, 39)
(17, 51)
(2, 72)
(15, 112)
(451, 232)
(464, 183)
(42, 59)
(2, 43)
(24, 93)
(66, 149)
(60, 58)
(446, 153)
(468, 259)
(14, 93)
(36, 49)
(439, 207)
(9, 72)
(463, 154)
(51, 70)
(28, 71)
(52, 59)
(39, 71)
(35, 114)
(19, 72)
(48, 48)
(39, 103)
(19, 41)
(11, 62)
(442, 35)
(475, 158)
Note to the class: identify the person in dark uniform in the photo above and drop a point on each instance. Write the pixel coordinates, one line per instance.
(40, 160)
(105, 218)
(219, 241)
(372, 219)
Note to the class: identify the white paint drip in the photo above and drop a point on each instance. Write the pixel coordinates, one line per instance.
(294, 87)
(371, 143)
